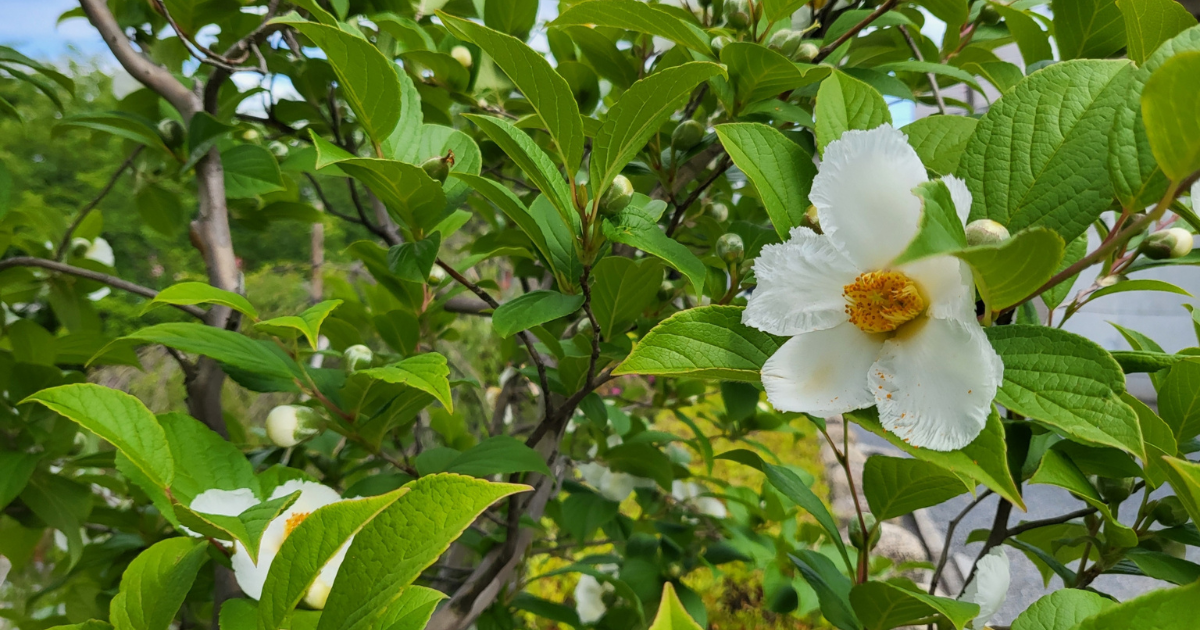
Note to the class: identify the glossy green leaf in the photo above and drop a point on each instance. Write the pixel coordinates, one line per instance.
(1164, 609)
(833, 588)
(671, 613)
(1031, 39)
(1074, 252)
(895, 486)
(757, 72)
(790, 485)
(403, 142)
(1056, 469)
(120, 419)
(203, 459)
(155, 583)
(412, 197)
(120, 124)
(427, 372)
(223, 345)
(704, 342)
(845, 103)
(1088, 28)
(638, 227)
(533, 309)
(1061, 609)
(511, 206)
(1085, 403)
(412, 609)
(497, 455)
(637, 16)
(1179, 400)
(940, 140)
(201, 293)
(602, 54)
(883, 605)
(246, 528)
(250, 171)
(1172, 120)
(1184, 477)
(780, 169)
(15, 470)
(940, 231)
(413, 261)
(621, 289)
(529, 157)
(1010, 271)
(1149, 23)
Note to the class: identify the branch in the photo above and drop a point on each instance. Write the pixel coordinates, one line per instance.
(941, 565)
(151, 75)
(112, 281)
(937, 93)
(83, 213)
(723, 166)
(845, 37)
(1057, 520)
(996, 536)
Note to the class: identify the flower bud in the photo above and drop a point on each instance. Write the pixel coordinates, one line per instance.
(289, 425)
(688, 134)
(737, 13)
(278, 149)
(618, 195)
(1169, 243)
(730, 248)
(806, 52)
(172, 132)
(357, 356)
(720, 42)
(666, 291)
(1114, 490)
(439, 167)
(985, 232)
(785, 42)
(1170, 512)
(856, 532)
(251, 135)
(718, 211)
(989, 15)
(462, 55)
(812, 220)
(436, 275)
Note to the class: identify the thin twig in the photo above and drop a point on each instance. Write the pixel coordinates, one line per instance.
(103, 278)
(996, 536)
(680, 209)
(61, 252)
(845, 37)
(1056, 520)
(937, 93)
(941, 565)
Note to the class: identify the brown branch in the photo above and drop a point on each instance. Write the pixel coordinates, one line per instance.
(996, 536)
(937, 93)
(103, 278)
(1056, 520)
(723, 166)
(845, 37)
(941, 565)
(83, 212)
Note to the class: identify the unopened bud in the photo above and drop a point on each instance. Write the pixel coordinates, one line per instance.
(618, 195)
(289, 425)
(436, 275)
(737, 13)
(718, 211)
(989, 15)
(986, 232)
(278, 149)
(462, 55)
(806, 52)
(1114, 490)
(856, 532)
(357, 356)
(688, 134)
(439, 167)
(251, 135)
(1170, 512)
(721, 41)
(785, 41)
(811, 220)
(730, 248)
(1170, 243)
(172, 132)
(666, 291)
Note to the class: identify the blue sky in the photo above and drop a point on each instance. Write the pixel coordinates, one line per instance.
(29, 26)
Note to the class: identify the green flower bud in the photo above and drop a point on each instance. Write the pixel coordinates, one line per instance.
(688, 134)
(785, 41)
(172, 132)
(666, 291)
(251, 135)
(278, 149)
(718, 211)
(436, 275)
(357, 356)
(737, 13)
(720, 42)
(1169, 243)
(439, 167)
(856, 532)
(462, 55)
(730, 248)
(1114, 490)
(1170, 512)
(617, 196)
(806, 52)
(986, 232)
(989, 15)
(289, 425)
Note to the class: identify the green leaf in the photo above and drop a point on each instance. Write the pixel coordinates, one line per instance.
(632, 15)
(515, 17)
(845, 103)
(637, 226)
(602, 55)
(1172, 122)
(203, 131)
(1179, 400)
(402, 143)
(366, 78)
(61, 503)
(155, 583)
(1161, 566)
(941, 140)
(622, 288)
(118, 418)
(833, 588)
(940, 230)
(562, 239)
(1010, 271)
(533, 309)
(1158, 438)
(546, 90)
(985, 459)
(203, 459)
(780, 169)
(895, 486)
(250, 171)
(928, 67)
(637, 116)
(427, 372)
(15, 470)
(883, 605)
(1074, 252)
(1149, 23)
(757, 72)
(497, 455)
(201, 293)
(1033, 42)
(413, 261)
(412, 610)
(529, 157)
(1184, 477)
(704, 342)
(307, 550)
(1056, 469)
(511, 206)
(1045, 146)
(1163, 609)
(222, 345)
(412, 197)
(1088, 28)
(120, 124)
(790, 485)
(1061, 610)
(1141, 284)
(246, 528)
(1140, 361)
(1084, 403)
(380, 564)
(671, 613)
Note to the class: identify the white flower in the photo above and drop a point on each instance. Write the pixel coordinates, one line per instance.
(614, 486)
(989, 588)
(690, 493)
(222, 503)
(357, 356)
(863, 332)
(589, 598)
(289, 425)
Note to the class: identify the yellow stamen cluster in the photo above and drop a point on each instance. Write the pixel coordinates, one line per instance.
(293, 522)
(880, 301)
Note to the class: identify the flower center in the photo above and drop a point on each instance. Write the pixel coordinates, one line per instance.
(293, 522)
(880, 301)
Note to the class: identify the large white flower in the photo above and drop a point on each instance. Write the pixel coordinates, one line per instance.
(692, 494)
(864, 332)
(989, 588)
(589, 598)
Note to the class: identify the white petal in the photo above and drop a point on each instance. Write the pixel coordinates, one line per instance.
(800, 286)
(589, 599)
(822, 372)
(318, 592)
(224, 502)
(863, 194)
(961, 196)
(312, 496)
(250, 576)
(946, 284)
(617, 486)
(989, 588)
(592, 473)
(934, 383)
